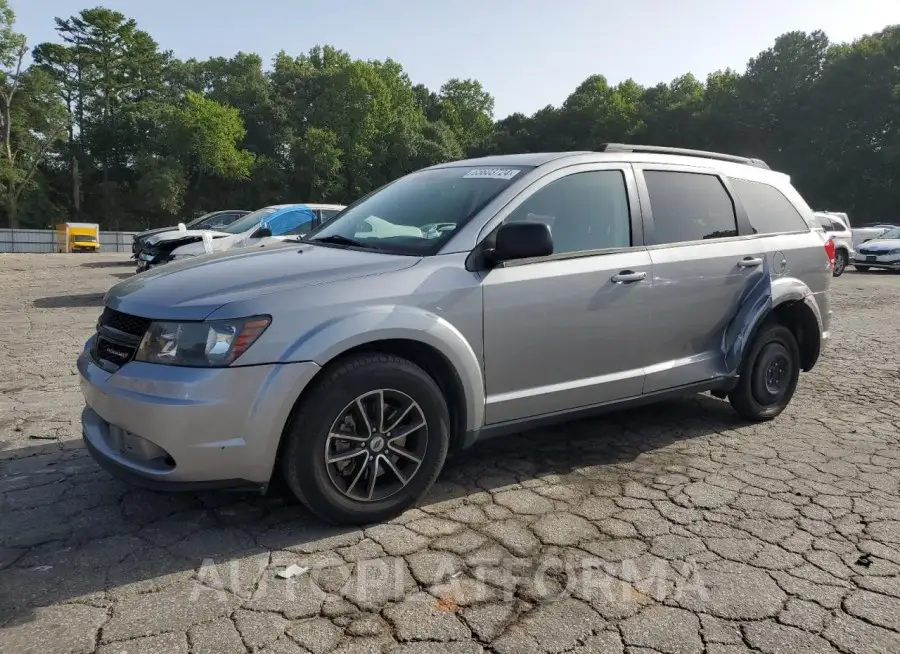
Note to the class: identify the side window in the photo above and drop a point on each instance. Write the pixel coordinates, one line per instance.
(585, 211)
(292, 222)
(689, 207)
(328, 214)
(768, 210)
(827, 224)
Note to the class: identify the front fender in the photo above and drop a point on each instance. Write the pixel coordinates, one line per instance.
(333, 337)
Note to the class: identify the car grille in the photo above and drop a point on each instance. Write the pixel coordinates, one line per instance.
(118, 337)
(123, 322)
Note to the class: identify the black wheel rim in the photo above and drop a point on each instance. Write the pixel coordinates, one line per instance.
(772, 374)
(376, 445)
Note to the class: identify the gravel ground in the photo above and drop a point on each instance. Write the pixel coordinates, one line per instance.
(673, 529)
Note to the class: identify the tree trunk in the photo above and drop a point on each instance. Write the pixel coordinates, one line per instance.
(12, 206)
(76, 187)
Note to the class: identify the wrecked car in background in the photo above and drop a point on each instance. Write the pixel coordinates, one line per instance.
(262, 227)
(214, 220)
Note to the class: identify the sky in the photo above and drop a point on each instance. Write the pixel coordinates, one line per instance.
(526, 53)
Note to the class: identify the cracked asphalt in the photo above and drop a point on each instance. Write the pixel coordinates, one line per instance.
(675, 529)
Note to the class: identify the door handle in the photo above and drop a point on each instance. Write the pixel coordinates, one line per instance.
(628, 276)
(750, 262)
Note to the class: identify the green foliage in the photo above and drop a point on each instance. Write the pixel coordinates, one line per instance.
(107, 127)
(209, 134)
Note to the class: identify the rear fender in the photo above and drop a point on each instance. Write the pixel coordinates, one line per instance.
(762, 300)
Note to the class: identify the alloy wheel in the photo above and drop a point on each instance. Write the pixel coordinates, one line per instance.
(376, 445)
(840, 263)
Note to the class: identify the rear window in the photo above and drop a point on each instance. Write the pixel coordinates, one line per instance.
(767, 209)
(828, 223)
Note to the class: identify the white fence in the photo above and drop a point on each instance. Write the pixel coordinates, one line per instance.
(44, 240)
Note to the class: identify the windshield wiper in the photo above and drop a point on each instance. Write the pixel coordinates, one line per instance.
(337, 239)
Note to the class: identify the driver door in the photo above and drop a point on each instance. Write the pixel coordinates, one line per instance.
(569, 330)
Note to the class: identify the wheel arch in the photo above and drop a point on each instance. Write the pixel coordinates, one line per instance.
(425, 338)
(795, 307)
(433, 362)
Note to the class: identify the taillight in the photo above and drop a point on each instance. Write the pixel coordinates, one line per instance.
(829, 250)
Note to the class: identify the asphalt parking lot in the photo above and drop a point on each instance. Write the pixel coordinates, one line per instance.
(674, 529)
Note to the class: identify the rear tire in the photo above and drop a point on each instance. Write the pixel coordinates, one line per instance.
(862, 268)
(335, 446)
(769, 374)
(841, 259)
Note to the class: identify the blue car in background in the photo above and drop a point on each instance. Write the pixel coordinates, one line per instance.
(261, 227)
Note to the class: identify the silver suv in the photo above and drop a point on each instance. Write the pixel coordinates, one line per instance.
(462, 301)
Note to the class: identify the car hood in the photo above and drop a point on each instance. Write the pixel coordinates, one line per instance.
(150, 232)
(176, 234)
(194, 247)
(881, 245)
(191, 289)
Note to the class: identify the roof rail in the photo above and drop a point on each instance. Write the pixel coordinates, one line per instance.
(658, 149)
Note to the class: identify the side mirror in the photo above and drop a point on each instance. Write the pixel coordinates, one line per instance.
(522, 240)
(262, 232)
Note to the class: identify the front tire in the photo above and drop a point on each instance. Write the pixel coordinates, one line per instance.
(841, 259)
(368, 441)
(769, 374)
(862, 268)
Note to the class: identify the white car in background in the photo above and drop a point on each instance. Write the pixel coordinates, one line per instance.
(871, 231)
(882, 252)
(837, 228)
(266, 226)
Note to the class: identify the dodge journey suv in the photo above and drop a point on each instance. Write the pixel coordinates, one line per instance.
(463, 301)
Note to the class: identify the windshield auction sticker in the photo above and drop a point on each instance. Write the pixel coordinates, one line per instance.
(491, 173)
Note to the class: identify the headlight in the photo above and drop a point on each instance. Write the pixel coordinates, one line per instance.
(145, 256)
(894, 252)
(178, 257)
(212, 344)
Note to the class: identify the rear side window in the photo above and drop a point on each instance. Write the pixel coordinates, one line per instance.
(689, 207)
(768, 210)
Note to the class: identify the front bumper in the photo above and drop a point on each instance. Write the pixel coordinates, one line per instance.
(188, 428)
(891, 262)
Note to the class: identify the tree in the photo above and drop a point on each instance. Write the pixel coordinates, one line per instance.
(146, 137)
(468, 110)
(30, 119)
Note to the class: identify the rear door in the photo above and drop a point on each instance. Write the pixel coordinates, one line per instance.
(703, 265)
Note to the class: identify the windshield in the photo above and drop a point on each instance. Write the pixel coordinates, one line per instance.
(249, 221)
(196, 222)
(418, 213)
(85, 238)
(891, 234)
